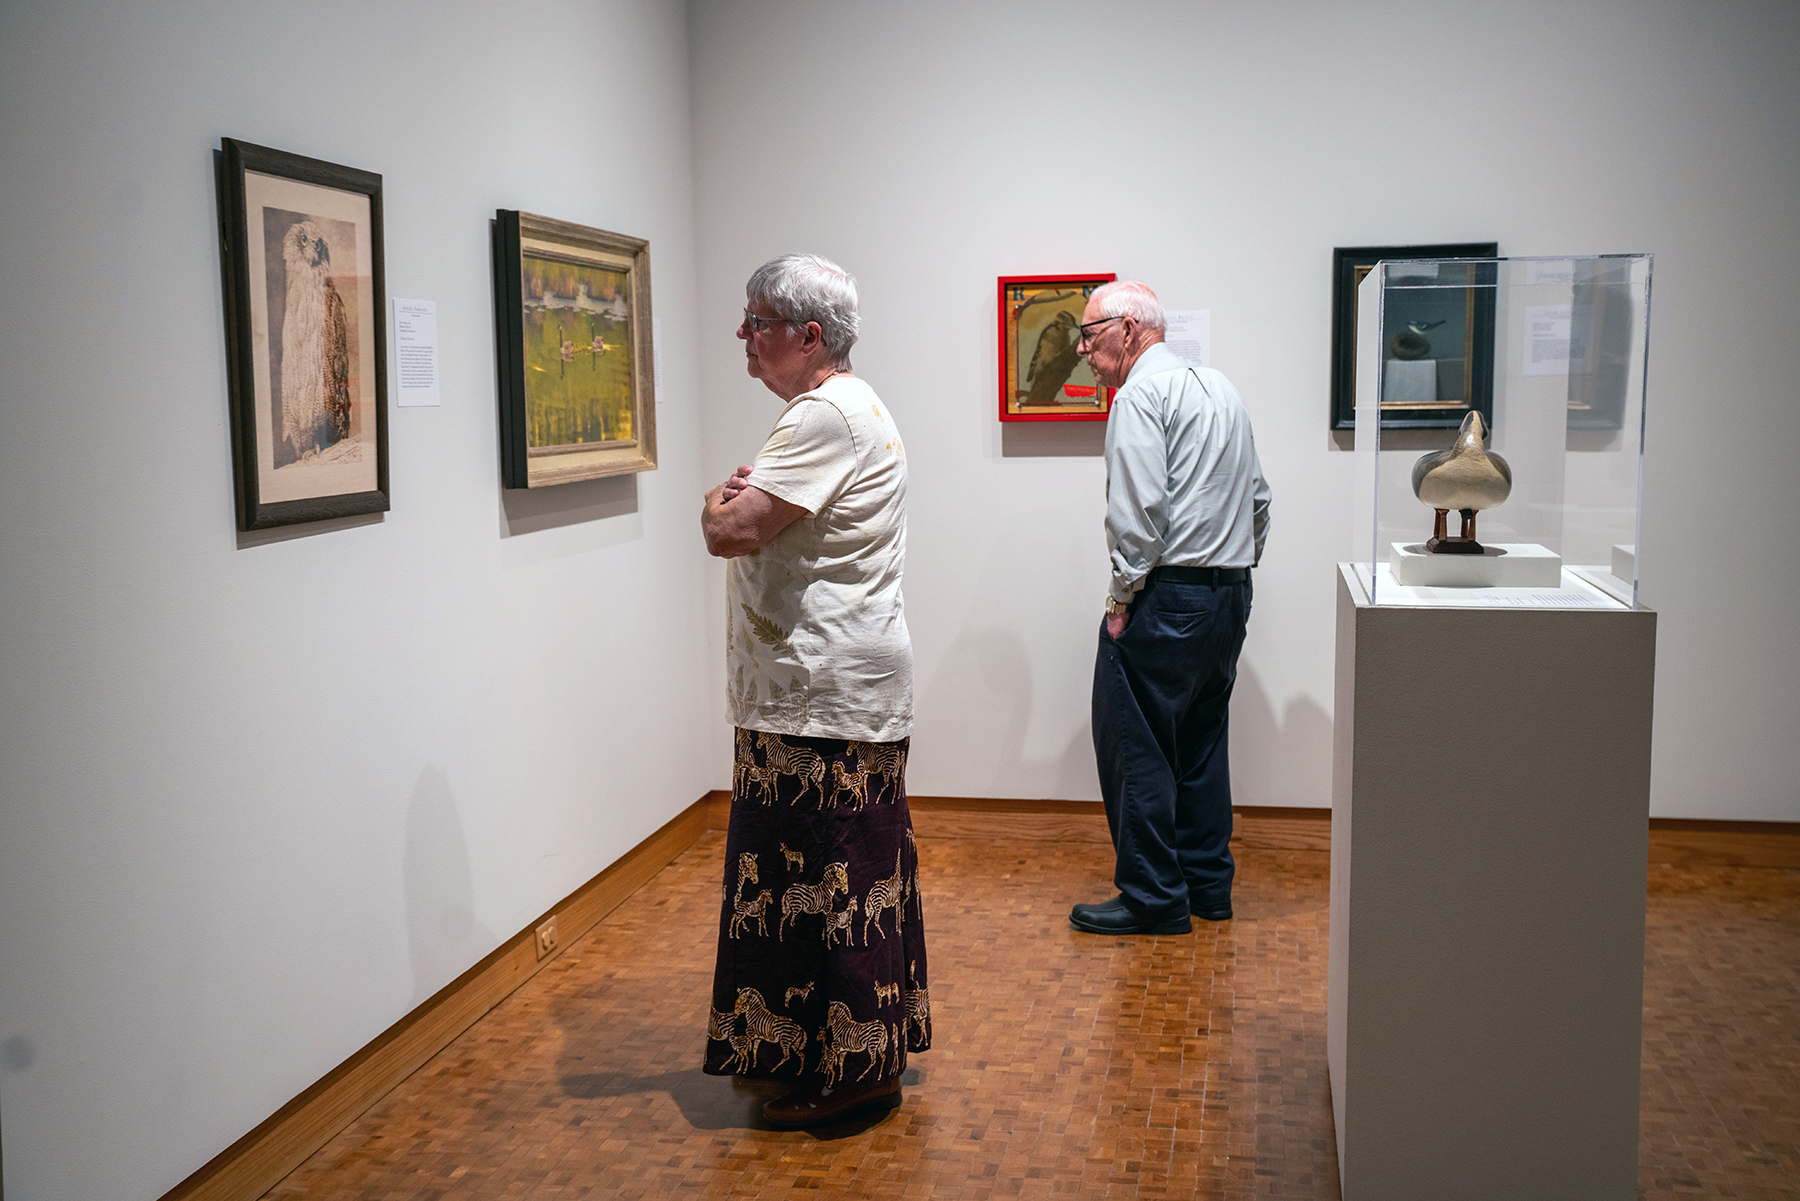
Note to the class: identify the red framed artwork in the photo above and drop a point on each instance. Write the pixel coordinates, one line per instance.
(1042, 377)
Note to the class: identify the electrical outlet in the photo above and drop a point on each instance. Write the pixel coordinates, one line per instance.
(547, 938)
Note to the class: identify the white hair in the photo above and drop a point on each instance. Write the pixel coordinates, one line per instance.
(810, 287)
(1129, 298)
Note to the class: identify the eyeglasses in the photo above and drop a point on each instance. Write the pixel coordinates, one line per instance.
(1086, 336)
(756, 324)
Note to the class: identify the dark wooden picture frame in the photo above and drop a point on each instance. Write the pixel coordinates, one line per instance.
(1024, 396)
(573, 406)
(305, 335)
(1459, 389)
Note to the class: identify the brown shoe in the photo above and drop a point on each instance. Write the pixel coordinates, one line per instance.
(816, 1104)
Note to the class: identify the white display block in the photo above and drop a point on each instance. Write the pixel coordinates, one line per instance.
(1410, 382)
(1499, 565)
(1489, 837)
(1579, 588)
(1624, 563)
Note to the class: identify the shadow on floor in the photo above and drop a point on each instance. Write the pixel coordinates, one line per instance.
(719, 1103)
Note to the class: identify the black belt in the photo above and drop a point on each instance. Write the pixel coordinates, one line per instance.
(1201, 575)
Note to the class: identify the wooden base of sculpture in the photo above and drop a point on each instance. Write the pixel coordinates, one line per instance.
(1440, 543)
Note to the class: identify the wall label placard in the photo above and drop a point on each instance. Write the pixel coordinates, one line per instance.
(416, 352)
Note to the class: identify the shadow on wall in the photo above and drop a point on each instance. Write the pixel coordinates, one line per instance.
(1000, 724)
(441, 928)
(1277, 759)
(249, 539)
(1052, 439)
(527, 510)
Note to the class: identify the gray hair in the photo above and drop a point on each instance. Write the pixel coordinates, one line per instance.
(1129, 298)
(810, 287)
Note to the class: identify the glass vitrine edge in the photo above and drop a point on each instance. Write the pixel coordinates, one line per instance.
(1637, 526)
(1375, 422)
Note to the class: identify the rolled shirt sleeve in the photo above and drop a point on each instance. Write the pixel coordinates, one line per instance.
(809, 458)
(1136, 491)
(1259, 506)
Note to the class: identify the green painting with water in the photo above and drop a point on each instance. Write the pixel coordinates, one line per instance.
(577, 355)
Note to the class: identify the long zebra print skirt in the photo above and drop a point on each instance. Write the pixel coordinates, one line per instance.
(821, 967)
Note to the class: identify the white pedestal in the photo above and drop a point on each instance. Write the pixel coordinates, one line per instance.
(1499, 565)
(1490, 804)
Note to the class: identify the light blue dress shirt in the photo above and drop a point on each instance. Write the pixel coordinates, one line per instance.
(1183, 484)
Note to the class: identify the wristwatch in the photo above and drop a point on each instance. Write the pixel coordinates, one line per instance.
(1114, 607)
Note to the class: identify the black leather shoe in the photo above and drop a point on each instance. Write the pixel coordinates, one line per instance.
(1210, 911)
(1118, 917)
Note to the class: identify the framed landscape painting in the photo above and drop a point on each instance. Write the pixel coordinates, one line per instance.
(1042, 376)
(305, 351)
(577, 378)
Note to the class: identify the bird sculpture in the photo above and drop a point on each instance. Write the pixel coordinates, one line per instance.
(315, 347)
(1411, 343)
(1468, 477)
(1053, 361)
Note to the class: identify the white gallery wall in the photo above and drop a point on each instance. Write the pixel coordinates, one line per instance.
(1220, 151)
(261, 795)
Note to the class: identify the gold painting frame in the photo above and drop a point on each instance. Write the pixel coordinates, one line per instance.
(575, 358)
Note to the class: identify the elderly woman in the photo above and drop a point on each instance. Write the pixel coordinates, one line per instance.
(821, 970)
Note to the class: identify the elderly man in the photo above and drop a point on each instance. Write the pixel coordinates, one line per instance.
(1187, 510)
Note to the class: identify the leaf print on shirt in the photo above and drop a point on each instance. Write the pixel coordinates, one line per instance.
(742, 696)
(767, 632)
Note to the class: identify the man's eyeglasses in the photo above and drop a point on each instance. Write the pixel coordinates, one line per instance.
(1086, 329)
(756, 324)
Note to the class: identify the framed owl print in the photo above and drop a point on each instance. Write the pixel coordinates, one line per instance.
(1043, 377)
(305, 346)
(576, 364)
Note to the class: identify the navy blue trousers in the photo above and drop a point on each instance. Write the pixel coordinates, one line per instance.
(1162, 692)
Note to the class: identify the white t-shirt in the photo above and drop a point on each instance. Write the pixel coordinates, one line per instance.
(816, 640)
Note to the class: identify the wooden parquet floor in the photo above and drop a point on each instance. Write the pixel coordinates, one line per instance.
(1719, 1114)
(1064, 1064)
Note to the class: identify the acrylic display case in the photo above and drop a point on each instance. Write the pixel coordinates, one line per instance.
(1570, 339)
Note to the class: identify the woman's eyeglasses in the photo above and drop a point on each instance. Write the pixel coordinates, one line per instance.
(756, 324)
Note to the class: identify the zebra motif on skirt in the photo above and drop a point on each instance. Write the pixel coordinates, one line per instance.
(844, 1035)
(762, 1025)
(888, 893)
(797, 761)
(884, 761)
(813, 898)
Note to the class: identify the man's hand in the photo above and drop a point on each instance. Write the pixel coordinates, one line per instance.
(1115, 624)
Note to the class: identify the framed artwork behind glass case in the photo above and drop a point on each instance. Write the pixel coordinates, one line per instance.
(1437, 336)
